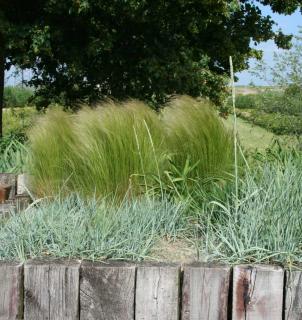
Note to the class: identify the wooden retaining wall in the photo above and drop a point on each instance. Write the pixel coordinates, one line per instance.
(57, 290)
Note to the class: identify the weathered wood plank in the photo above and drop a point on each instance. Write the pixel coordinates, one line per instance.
(22, 202)
(157, 292)
(205, 292)
(51, 290)
(107, 291)
(6, 209)
(9, 179)
(22, 184)
(257, 292)
(293, 298)
(11, 291)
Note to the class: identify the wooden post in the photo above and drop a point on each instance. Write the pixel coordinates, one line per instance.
(157, 292)
(51, 290)
(257, 292)
(11, 291)
(107, 291)
(9, 179)
(205, 292)
(293, 295)
(22, 184)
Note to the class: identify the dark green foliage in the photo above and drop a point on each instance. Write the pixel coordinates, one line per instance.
(246, 101)
(17, 96)
(279, 111)
(276, 122)
(91, 49)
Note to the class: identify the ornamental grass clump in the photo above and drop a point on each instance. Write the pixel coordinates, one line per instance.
(108, 150)
(92, 229)
(195, 134)
(120, 145)
(127, 149)
(262, 225)
(51, 152)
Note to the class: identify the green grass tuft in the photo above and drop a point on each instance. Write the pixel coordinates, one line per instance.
(89, 229)
(196, 134)
(116, 149)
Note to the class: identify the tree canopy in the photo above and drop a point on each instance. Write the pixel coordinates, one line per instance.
(146, 49)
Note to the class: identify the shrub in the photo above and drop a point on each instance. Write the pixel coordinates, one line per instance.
(17, 121)
(278, 123)
(247, 101)
(16, 96)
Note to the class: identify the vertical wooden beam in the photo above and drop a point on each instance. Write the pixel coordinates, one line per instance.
(22, 184)
(157, 292)
(257, 292)
(9, 179)
(11, 291)
(107, 291)
(51, 290)
(205, 292)
(293, 295)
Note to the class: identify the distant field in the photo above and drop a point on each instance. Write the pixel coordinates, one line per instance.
(253, 90)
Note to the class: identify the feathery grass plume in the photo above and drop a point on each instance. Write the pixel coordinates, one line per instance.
(50, 161)
(196, 134)
(101, 151)
(115, 149)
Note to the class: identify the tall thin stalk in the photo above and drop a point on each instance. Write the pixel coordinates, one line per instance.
(235, 132)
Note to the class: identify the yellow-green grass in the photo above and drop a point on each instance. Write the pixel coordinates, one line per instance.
(17, 120)
(123, 149)
(253, 137)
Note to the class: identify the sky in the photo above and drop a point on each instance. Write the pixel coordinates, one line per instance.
(288, 24)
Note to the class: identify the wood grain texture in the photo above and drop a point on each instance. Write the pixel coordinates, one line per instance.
(51, 290)
(107, 291)
(6, 209)
(22, 202)
(11, 291)
(157, 292)
(205, 292)
(22, 184)
(257, 292)
(293, 295)
(9, 179)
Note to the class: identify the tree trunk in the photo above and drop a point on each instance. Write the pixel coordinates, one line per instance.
(2, 60)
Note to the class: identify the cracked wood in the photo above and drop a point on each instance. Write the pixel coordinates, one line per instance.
(9, 179)
(205, 292)
(11, 291)
(51, 290)
(157, 292)
(257, 292)
(293, 298)
(107, 291)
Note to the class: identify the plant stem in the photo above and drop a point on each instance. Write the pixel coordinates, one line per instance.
(235, 133)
